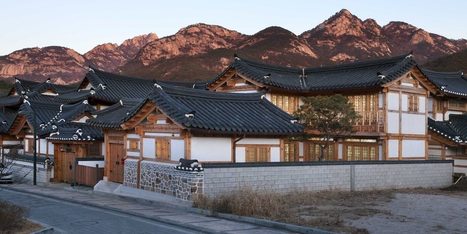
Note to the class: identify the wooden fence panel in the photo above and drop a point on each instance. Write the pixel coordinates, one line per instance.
(88, 176)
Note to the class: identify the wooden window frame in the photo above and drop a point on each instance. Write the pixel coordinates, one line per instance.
(413, 103)
(257, 153)
(133, 145)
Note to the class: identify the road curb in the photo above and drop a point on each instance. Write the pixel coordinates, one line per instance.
(154, 218)
(46, 228)
(263, 222)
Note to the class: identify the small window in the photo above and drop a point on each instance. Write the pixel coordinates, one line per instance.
(257, 154)
(133, 145)
(413, 103)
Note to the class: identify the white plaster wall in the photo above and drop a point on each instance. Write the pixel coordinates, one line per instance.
(103, 149)
(260, 141)
(380, 152)
(421, 104)
(133, 136)
(404, 105)
(380, 100)
(211, 148)
(393, 122)
(161, 134)
(177, 149)
(133, 154)
(43, 146)
(149, 148)
(51, 148)
(413, 123)
(393, 101)
(244, 91)
(413, 148)
(11, 142)
(340, 151)
(240, 154)
(439, 117)
(275, 154)
(92, 163)
(301, 149)
(393, 148)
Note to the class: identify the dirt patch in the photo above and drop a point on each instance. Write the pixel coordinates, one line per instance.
(326, 210)
(395, 211)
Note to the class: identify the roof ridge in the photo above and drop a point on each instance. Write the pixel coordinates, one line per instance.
(460, 73)
(183, 91)
(268, 66)
(359, 64)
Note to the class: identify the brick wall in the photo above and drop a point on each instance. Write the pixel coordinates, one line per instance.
(345, 176)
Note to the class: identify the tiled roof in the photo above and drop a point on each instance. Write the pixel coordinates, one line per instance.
(357, 75)
(200, 110)
(110, 88)
(25, 86)
(76, 132)
(7, 117)
(455, 129)
(449, 83)
(50, 115)
(10, 100)
(113, 116)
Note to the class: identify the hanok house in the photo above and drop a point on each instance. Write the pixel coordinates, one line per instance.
(389, 94)
(175, 122)
(448, 118)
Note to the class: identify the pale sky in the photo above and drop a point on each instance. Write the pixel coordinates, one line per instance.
(81, 25)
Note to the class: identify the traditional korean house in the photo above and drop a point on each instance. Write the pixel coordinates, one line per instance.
(448, 118)
(389, 94)
(176, 122)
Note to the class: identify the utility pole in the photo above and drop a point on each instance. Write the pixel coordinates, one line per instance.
(34, 175)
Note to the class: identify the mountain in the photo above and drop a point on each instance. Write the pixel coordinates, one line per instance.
(452, 62)
(200, 51)
(110, 56)
(58, 63)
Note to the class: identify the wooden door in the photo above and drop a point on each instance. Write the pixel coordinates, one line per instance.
(163, 148)
(58, 170)
(116, 162)
(68, 165)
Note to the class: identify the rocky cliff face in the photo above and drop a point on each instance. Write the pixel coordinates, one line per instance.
(200, 51)
(110, 56)
(41, 63)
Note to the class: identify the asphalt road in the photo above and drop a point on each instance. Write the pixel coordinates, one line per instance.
(72, 218)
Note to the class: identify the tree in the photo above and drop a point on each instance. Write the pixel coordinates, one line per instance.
(328, 117)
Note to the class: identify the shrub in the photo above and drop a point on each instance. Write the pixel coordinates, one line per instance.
(11, 216)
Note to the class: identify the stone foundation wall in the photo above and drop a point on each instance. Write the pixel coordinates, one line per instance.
(163, 178)
(130, 173)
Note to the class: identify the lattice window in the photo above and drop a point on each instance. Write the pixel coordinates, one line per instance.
(257, 154)
(361, 152)
(314, 152)
(413, 103)
(290, 152)
(288, 104)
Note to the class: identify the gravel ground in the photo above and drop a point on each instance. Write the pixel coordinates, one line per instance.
(431, 211)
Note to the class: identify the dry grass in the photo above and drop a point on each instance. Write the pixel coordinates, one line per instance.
(326, 210)
(11, 218)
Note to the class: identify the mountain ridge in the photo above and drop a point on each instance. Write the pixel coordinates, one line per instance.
(199, 51)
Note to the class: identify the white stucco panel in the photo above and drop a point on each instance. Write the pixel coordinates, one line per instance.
(413, 148)
(211, 148)
(240, 154)
(275, 154)
(421, 104)
(413, 123)
(404, 100)
(260, 141)
(393, 101)
(149, 148)
(393, 148)
(393, 122)
(177, 149)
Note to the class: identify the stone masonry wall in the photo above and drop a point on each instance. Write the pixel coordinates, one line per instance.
(346, 177)
(163, 178)
(130, 173)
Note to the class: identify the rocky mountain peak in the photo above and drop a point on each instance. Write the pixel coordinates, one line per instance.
(343, 23)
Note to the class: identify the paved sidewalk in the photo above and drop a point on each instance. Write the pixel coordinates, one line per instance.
(157, 211)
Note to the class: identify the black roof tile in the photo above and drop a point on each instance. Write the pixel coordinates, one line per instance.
(76, 132)
(357, 75)
(455, 129)
(449, 83)
(201, 110)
